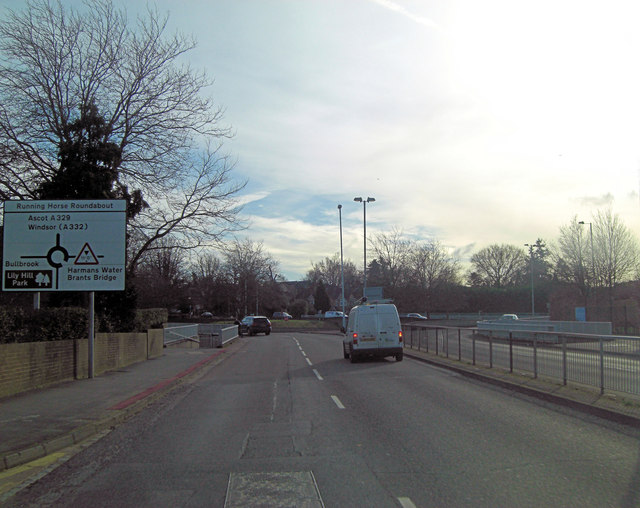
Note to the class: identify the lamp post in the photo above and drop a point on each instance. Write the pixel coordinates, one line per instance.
(533, 307)
(364, 204)
(593, 261)
(341, 266)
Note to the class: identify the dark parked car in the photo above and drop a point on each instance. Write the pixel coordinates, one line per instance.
(252, 325)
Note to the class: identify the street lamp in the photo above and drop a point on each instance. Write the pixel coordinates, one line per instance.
(593, 262)
(364, 204)
(341, 266)
(533, 312)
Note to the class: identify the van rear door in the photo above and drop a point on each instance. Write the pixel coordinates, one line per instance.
(388, 326)
(367, 328)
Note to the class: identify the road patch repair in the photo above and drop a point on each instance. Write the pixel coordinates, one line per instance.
(297, 488)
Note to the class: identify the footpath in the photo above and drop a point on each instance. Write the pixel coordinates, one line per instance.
(37, 423)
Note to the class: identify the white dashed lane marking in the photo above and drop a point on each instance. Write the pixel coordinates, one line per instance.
(337, 401)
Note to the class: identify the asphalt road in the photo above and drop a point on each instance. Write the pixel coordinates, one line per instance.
(286, 421)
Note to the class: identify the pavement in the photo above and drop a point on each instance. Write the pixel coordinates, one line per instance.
(40, 422)
(36, 423)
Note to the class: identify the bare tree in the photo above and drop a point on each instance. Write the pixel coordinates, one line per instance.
(498, 266)
(328, 270)
(254, 274)
(162, 277)
(210, 285)
(391, 255)
(56, 60)
(572, 256)
(615, 251)
(432, 269)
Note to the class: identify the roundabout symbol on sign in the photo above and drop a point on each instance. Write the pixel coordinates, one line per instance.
(58, 253)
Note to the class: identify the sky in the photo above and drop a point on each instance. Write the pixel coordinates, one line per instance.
(470, 123)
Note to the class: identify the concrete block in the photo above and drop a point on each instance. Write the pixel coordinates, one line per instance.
(58, 443)
(24, 456)
(84, 432)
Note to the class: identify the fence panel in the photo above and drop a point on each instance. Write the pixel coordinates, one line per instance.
(607, 362)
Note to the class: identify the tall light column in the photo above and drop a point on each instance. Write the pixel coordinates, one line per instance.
(341, 266)
(364, 204)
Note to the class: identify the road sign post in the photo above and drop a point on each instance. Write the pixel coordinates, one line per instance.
(65, 245)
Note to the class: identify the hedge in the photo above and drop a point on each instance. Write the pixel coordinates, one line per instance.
(20, 325)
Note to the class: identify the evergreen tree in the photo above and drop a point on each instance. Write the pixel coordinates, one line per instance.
(89, 165)
(322, 300)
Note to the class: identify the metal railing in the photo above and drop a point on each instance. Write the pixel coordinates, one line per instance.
(608, 362)
(207, 334)
(176, 332)
(216, 335)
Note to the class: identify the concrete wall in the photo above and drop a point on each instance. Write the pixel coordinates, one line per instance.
(522, 328)
(30, 365)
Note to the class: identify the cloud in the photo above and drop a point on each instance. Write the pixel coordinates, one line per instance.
(597, 201)
(251, 198)
(465, 252)
(392, 6)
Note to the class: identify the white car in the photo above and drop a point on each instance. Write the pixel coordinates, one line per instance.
(282, 315)
(508, 317)
(334, 314)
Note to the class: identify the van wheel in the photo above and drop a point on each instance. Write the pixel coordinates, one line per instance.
(344, 352)
(399, 357)
(353, 357)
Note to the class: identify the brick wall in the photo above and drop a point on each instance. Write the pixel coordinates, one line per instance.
(30, 365)
(26, 366)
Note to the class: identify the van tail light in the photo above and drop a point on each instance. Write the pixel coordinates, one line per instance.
(400, 336)
(355, 338)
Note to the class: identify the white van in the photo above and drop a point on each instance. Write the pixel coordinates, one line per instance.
(373, 330)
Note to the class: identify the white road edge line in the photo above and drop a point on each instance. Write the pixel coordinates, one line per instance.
(308, 361)
(337, 401)
(320, 378)
(405, 502)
